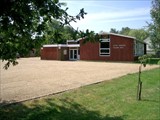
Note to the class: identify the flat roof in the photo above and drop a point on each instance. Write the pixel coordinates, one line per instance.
(62, 45)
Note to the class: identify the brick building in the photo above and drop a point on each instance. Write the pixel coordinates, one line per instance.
(110, 47)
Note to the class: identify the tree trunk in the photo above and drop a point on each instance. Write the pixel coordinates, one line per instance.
(139, 87)
(139, 90)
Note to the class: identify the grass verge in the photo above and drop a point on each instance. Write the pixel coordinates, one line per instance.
(109, 100)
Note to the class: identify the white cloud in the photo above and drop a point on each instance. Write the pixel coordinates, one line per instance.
(127, 19)
(104, 15)
(115, 16)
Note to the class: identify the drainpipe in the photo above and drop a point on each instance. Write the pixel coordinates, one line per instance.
(57, 53)
(0, 84)
(59, 47)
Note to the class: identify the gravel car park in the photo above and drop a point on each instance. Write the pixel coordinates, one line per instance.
(33, 77)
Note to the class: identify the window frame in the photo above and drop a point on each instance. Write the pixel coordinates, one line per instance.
(104, 41)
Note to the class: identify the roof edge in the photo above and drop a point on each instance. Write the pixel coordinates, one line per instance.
(62, 45)
(123, 35)
(112, 34)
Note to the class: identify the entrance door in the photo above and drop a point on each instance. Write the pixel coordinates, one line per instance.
(73, 54)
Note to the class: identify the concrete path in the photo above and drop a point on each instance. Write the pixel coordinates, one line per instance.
(33, 77)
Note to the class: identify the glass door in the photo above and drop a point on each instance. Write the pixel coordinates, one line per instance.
(73, 54)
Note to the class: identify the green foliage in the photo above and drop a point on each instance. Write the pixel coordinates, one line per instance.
(124, 30)
(23, 24)
(140, 34)
(154, 27)
(89, 36)
(143, 59)
(153, 60)
(148, 59)
(109, 100)
(113, 30)
(56, 33)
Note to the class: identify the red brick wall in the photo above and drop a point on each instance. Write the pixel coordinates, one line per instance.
(89, 51)
(54, 53)
(121, 49)
(62, 55)
(50, 53)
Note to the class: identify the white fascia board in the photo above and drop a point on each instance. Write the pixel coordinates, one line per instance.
(73, 45)
(117, 35)
(51, 45)
(55, 45)
(80, 39)
(62, 45)
(106, 33)
(122, 35)
(71, 41)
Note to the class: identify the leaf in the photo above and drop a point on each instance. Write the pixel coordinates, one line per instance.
(56, 1)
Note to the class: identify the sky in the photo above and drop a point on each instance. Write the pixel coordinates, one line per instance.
(102, 15)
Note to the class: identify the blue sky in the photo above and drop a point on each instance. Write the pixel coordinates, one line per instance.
(102, 15)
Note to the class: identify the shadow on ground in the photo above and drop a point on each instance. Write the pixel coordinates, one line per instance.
(64, 109)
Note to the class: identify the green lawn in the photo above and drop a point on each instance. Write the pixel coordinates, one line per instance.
(109, 100)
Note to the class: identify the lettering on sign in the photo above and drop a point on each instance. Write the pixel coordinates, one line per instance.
(119, 46)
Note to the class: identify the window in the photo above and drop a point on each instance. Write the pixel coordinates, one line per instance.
(139, 49)
(104, 47)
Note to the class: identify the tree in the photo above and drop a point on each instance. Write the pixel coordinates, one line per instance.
(71, 33)
(53, 33)
(23, 24)
(154, 27)
(65, 33)
(143, 60)
(89, 36)
(125, 30)
(139, 34)
(113, 30)
(102, 32)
